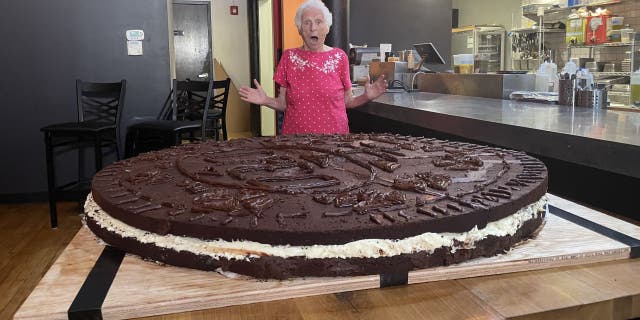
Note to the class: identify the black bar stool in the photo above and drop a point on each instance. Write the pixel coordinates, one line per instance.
(99, 108)
(180, 115)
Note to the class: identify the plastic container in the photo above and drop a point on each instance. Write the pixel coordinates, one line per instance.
(542, 78)
(635, 88)
(584, 79)
(626, 34)
(617, 23)
(615, 36)
(410, 59)
(463, 63)
(547, 78)
(552, 71)
(570, 68)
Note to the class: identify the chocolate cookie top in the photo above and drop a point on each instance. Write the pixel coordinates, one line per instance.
(319, 189)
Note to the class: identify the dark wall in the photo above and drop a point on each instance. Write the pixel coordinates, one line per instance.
(402, 23)
(46, 45)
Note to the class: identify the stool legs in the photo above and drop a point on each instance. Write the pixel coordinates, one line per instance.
(51, 180)
(98, 152)
(224, 129)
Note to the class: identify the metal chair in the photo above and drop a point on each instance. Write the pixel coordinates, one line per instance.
(99, 108)
(180, 115)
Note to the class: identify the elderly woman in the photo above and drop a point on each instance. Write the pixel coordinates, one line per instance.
(315, 87)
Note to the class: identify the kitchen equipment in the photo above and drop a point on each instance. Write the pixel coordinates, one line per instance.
(592, 66)
(359, 59)
(611, 67)
(581, 62)
(511, 72)
(362, 56)
(626, 65)
(358, 72)
(486, 42)
(595, 98)
(620, 94)
(565, 92)
(610, 81)
(486, 85)
(392, 71)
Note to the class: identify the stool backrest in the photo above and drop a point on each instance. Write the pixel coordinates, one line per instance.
(219, 100)
(190, 99)
(100, 102)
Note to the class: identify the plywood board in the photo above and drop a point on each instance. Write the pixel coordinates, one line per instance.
(143, 288)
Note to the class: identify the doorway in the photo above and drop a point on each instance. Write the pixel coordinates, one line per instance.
(192, 40)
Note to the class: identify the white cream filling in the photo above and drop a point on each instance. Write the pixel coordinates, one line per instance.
(366, 248)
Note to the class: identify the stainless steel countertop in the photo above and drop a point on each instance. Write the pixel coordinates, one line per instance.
(600, 138)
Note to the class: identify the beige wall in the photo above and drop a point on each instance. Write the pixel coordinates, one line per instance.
(265, 25)
(231, 50)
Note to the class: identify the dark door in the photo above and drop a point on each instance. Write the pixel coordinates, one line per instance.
(192, 40)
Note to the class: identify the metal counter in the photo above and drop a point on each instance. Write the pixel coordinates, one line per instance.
(603, 139)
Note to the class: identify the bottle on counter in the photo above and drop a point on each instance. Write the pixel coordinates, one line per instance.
(410, 60)
(552, 71)
(570, 67)
(635, 88)
(584, 79)
(544, 77)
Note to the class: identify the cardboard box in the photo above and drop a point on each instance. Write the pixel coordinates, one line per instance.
(576, 29)
(597, 29)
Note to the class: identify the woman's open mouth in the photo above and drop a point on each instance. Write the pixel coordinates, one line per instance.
(314, 38)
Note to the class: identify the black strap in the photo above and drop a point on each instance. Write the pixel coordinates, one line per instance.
(88, 302)
(633, 243)
(394, 279)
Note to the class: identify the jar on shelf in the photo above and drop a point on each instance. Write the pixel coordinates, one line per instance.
(626, 34)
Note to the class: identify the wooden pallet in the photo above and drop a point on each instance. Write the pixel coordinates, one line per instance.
(143, 288)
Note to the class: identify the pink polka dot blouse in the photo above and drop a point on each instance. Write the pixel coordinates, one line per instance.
(315, 83)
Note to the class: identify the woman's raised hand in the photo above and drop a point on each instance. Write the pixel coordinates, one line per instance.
(255, 96)
(374, 90)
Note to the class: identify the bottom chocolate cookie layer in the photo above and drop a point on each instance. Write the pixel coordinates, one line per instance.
(283, 268)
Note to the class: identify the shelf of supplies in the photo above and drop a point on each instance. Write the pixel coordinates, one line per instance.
(530, 11)
(532, 30)
(616, 73)
(552, 9)
(596, 4)
(602, 45)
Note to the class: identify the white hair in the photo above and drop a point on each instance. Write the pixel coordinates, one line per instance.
(328, 17)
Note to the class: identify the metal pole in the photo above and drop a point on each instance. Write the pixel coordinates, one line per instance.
(339, 34)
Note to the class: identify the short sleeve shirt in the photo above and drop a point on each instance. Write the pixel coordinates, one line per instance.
(315, 83)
